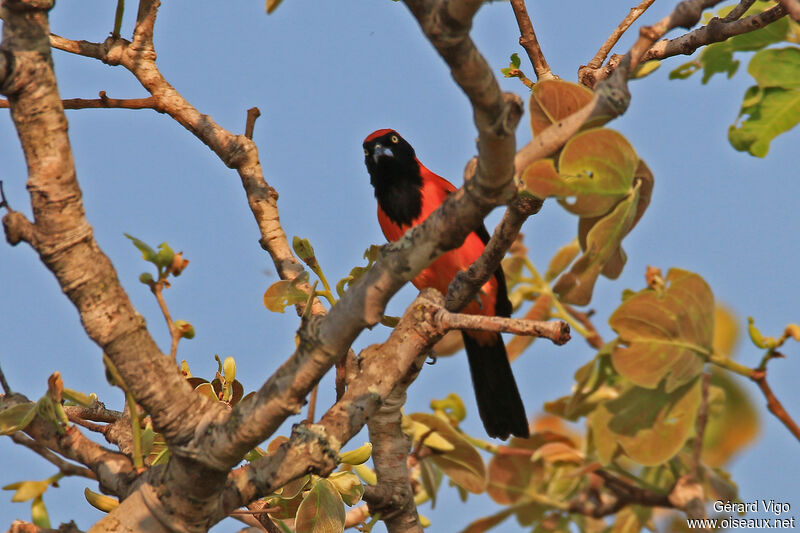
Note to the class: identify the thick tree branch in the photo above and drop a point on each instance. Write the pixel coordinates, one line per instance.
(393, 497)
(530, 43)
(446, 24)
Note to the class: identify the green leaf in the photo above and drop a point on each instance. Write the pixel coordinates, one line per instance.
(645, 69)
(651, 425)
(39, 513)
(284, 293)
(665, 333)
(322, 510)
(452, 406)
(78, 397)
(777, 111)
(602, 244)
(598, 165)
(148, 254)
(776, 67)
(304, 250)
(165, 255)
(684, 71)
(16, 418)
(515, 62)
(718, 57)
(463, 464)
(186, 329)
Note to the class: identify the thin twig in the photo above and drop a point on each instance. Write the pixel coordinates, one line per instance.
(3, 382)
(739, 10)
(634, 14)
(312, 404)
(529, 41)
(157, 288)
(594, 338)
(700, 426)
(773, 404)
(65, 467)
(252, 114)
(118, 18)
(91, 426)
(104, 102)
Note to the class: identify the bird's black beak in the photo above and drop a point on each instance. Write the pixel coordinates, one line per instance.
(379, 151)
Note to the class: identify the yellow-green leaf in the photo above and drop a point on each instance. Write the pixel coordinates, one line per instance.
(322, 510)
(650, 425)
(777, 111)
(463, 464)
(562, 259)
(665, 334)
(17, 417)
(602, 244)
(100, 501)
(598, 166)
(284, 293)
(39, 513)
(513, 476)
(28, 490)
(349, 486)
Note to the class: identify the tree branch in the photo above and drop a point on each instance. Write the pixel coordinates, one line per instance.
(467, 283)
(393, 497)
(104, 102)
(792, 7)
(715, 31)
(113, 470)
(66, 468)
(635, 13)
(557, 331)
(773, 404)
(530, 43)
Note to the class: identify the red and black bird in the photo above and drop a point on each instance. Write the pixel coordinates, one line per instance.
(407, 194)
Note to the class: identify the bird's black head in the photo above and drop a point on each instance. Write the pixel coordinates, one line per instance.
(395, 174)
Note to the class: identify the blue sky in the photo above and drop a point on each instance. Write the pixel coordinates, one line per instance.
(324, 75)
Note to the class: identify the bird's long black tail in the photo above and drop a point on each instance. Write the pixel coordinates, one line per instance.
(499, 402)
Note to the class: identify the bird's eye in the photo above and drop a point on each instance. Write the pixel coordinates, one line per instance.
(395, 139)
(366, 152)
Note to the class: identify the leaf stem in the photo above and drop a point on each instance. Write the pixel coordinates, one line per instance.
(118, 18)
